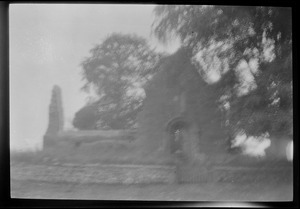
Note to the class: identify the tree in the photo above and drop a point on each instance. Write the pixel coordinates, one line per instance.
(117, 70)
(86, 118)
(246, 52)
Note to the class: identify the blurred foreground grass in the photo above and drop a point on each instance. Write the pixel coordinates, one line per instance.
(163, 192)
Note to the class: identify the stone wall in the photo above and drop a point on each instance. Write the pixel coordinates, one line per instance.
(77, 138)
(124, 174)
(178, 90)
(238, 174)
(56, 120)
(143, 174)
(55, 112)
(56, 134)
(250, 175)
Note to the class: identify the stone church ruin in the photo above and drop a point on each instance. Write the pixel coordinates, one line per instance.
(179, 101)
(179, 125)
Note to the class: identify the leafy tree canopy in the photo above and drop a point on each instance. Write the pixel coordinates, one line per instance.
(117, 70)
(246, 52)
(86, 118)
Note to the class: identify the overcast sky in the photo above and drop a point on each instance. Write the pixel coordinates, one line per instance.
(47, 45)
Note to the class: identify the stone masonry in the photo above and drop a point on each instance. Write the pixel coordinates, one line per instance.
(56, 119)
(110, 174)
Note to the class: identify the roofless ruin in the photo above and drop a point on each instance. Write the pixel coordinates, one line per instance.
(178, 126)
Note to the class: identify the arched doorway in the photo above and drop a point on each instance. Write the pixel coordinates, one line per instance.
(175, 129)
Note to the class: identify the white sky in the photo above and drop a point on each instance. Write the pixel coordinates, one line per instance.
(47, 44)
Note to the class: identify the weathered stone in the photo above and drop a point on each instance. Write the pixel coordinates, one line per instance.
(55, 112)
(124, 174)
(179, 99)
(55, 134)
(56, 120)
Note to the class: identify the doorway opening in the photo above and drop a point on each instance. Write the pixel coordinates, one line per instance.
(175, 129)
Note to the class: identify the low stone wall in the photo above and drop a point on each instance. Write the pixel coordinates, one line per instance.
(91, 136)
(246, 174)
(125, 174)
(87, 137)
(234, 174)
(135, 174)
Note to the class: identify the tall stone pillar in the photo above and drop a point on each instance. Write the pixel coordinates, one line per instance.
(56, 120)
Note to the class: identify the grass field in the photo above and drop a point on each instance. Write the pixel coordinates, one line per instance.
(162, 192)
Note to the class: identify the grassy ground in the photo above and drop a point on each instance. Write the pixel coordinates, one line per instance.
(218, 191)
(182, 192)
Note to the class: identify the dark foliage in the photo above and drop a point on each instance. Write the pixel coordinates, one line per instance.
(235, 34)
(117, 70)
